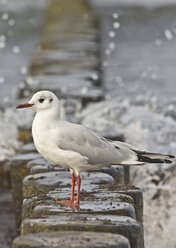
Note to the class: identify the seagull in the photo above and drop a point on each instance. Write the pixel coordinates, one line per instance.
(77, 147)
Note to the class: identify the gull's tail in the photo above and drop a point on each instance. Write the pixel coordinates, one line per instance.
(148, 157)
(140, 157)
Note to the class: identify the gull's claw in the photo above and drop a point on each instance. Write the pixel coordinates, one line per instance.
(65, 202)
(71, 204)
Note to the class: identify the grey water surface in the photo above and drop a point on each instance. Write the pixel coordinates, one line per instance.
(20, 29)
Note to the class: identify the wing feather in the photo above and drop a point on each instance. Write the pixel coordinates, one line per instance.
(97, 149)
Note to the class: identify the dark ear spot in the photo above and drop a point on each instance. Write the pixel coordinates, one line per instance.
(51, 99)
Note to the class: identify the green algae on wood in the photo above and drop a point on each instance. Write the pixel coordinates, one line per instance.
(18, 170)
(71, 239)
(123, 225)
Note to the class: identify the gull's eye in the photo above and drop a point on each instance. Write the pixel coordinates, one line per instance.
(41, 100)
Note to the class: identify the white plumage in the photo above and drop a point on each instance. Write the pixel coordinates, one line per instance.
(75, 146)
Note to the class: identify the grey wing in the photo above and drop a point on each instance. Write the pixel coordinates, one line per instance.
(97, 149)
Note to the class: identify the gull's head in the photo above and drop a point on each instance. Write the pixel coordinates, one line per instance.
(42, 100)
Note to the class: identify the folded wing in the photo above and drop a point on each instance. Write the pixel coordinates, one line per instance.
(98, 150)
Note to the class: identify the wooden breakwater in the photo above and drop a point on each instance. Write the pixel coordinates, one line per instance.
(110, 214)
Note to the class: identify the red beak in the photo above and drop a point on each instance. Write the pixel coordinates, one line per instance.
(25, 105)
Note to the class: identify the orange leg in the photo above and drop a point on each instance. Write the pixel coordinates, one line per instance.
(76, 203)
(72, 198)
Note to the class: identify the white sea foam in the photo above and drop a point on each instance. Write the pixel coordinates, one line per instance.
(145, 128)
(10, 120)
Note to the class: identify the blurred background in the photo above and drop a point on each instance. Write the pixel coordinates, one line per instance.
(138, 70)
